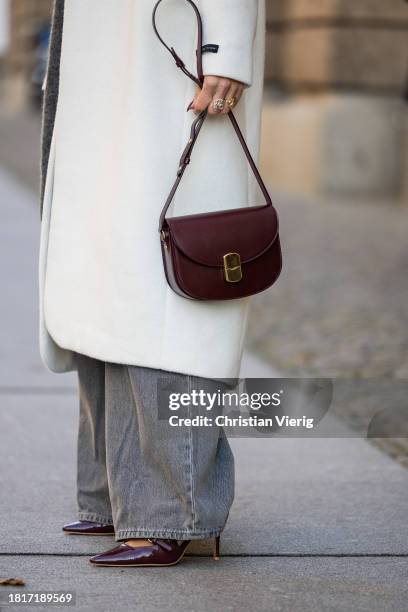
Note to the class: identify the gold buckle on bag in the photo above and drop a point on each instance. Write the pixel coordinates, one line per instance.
(232, 267)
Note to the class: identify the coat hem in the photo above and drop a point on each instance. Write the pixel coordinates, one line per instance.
(142, 362)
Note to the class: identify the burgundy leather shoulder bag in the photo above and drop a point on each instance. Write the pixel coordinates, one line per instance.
(221, 255)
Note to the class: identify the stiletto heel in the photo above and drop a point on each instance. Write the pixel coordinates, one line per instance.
(216, 553)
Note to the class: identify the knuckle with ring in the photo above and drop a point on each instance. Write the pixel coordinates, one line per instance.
(219, 104)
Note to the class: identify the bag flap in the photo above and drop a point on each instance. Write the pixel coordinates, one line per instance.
(207, 237)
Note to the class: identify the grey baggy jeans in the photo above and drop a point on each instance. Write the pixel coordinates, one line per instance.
(137, 472)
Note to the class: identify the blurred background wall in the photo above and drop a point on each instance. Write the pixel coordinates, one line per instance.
(336, 120)
(22, 24)
(336, 91)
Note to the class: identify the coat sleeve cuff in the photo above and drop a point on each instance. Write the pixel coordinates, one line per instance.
(226, 64)
(230, 24)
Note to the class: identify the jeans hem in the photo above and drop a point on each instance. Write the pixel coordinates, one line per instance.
(171, 534)
(94, 517)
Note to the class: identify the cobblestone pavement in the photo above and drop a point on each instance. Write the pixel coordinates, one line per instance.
(340, 306)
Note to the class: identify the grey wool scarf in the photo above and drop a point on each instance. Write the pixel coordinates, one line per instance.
(51, 92)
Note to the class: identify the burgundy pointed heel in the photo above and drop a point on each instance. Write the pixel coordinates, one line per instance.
(89, 528)
(158, 553)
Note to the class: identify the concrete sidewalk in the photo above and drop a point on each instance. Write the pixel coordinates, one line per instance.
(316, 524)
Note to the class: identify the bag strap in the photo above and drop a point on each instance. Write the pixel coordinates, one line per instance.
(198, 122)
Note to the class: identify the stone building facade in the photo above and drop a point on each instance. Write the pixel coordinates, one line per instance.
(337, 122)
(338, 44)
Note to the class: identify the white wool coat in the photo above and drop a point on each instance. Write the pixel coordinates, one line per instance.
(120, 126)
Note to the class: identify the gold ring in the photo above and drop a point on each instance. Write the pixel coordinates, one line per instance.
(218, 105)
(232, 101)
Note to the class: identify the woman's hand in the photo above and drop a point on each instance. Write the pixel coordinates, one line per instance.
(217, 88)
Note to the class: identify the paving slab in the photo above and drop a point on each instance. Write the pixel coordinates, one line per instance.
(293, 496)
(202, 585)
(20, 362)
(20, 145)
